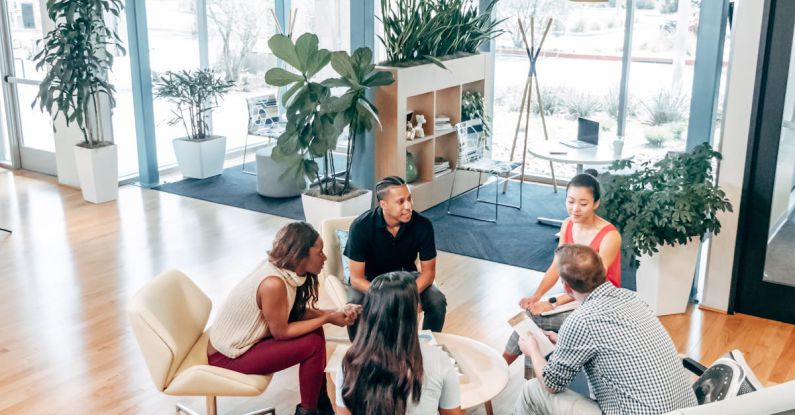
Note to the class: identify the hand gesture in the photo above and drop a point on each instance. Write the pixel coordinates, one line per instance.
(339, 318)
(527, 302)
(351, 311)
(528, 345)
(552, 336)
(540, 307)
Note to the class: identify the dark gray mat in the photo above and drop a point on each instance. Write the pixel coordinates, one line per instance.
(516, 239)
(235, 188)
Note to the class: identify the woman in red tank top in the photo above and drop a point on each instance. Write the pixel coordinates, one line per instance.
(584, 227)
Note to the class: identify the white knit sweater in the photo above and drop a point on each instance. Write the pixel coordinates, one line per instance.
(240, 324)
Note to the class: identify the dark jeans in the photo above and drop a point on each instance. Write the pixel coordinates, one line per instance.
(433, 302)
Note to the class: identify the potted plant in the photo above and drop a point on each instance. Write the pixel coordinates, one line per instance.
(663, 210)
(421, 31)
(78, 53)
(316, 118)
(195, 93)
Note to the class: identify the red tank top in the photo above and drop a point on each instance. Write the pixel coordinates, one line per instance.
(614, 270)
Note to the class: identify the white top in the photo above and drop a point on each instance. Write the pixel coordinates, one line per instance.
(553, 150)
(440, 386)
(240, 324)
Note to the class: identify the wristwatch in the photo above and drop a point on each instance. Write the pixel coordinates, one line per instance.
(553, 301)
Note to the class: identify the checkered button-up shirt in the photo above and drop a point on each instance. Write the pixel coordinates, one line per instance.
(631, 362)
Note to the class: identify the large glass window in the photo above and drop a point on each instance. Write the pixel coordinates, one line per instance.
(579, 71)
(238, 33)
(124, 134)
(174, 46)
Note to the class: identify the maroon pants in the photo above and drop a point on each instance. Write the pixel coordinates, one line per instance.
(271, 355)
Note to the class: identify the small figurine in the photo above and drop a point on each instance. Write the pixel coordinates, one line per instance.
(419, 132)
(410, 133)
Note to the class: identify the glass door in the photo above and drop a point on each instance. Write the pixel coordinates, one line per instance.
(765, 269)
(24, 22)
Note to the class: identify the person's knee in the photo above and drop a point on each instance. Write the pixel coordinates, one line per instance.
(529, 398)
(316, 339)
(434, 302)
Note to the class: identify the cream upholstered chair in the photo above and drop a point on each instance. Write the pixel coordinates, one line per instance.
(168, 316)
(332, 274)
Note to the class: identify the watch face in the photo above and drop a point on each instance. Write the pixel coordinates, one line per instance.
(553, 300)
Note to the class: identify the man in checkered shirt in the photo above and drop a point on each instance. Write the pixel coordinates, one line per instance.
(631, 362)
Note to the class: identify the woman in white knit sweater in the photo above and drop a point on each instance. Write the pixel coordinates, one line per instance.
(270, 320)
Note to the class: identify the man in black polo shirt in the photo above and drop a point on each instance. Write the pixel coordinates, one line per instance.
(389, 238)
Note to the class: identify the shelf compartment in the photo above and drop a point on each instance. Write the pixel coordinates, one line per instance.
(448, 102)
(420, 104)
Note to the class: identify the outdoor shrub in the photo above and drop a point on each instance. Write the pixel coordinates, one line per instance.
(644, 4)
(667, 106)
(668, 6)
(677, 130)
(610, 103)
(657, 136)
(581, 104)
(579, 26)
(552, 100)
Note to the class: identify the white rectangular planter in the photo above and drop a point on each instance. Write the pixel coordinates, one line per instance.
(200, 159)
(664, 280)
(98, 171)
(316, 210)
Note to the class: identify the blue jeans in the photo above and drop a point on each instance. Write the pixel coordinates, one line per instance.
(433, 302)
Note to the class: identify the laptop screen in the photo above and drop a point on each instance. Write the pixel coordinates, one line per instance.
(587, 131)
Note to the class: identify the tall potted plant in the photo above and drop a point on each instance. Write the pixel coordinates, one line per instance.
(663, 210)
(78, 54)
(316, 118)
(195, 93)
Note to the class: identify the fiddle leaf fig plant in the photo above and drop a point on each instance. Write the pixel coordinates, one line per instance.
(668, 202)
(316, 117)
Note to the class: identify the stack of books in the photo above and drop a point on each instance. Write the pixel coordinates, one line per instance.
(440, 166)
(443, 123)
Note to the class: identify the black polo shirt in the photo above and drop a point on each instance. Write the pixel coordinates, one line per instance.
(370, 242)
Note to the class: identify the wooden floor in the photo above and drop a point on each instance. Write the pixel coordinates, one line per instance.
(70, 267)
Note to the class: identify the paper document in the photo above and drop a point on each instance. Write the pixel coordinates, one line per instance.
(571, 305)
(524, 325)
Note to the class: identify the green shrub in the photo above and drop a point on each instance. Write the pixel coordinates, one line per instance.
(581, 104)
(657, 136)
(422, 30)
(669, 202)
(552, 100)
(644, 4)
(667, 106)
(677, 130)
(579, 26)
(610, 104)
(668, 6)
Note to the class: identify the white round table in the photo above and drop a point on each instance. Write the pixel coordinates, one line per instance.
(601, 154)
(486, 373)
(553, 150)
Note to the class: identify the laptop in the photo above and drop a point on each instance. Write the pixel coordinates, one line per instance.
(587, 134)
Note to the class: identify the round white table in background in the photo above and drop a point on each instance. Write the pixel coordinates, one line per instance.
(552, 150)
(601, 154)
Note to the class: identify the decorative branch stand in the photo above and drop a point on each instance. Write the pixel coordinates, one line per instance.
(527, 93)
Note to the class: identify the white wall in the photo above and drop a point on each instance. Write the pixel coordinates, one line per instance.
(733, 144)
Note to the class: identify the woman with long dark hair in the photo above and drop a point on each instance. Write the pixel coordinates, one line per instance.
(386, 370)
(270, 320)
(584, 227)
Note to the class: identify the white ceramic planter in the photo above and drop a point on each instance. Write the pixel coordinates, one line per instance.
(98, 171)
(664, 280)
(316, 210)
(200, 159)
